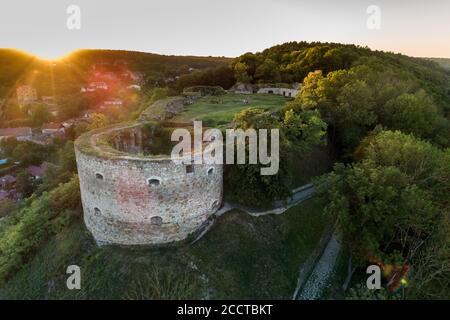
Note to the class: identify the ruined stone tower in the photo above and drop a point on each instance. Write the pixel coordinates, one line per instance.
(133, 196)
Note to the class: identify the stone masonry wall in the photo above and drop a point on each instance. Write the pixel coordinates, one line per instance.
(134, 200)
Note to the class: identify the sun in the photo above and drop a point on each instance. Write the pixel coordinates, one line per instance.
(50, 54)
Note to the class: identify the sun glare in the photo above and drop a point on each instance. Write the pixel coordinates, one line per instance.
(50, 55)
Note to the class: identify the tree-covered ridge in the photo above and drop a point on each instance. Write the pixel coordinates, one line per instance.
(68, 74)
(292, 61)
(354, 101)
(387, 116)
(155, 65)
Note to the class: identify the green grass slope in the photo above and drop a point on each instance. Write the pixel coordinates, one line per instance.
(220, 110)
(241, 257)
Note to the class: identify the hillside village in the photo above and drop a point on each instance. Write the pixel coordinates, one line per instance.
(109, 87)
(106, 92)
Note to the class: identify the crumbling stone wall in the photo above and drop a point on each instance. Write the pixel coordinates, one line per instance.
(130, 199)
(287, 90)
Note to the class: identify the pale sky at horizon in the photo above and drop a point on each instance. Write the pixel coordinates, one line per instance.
(223, 28)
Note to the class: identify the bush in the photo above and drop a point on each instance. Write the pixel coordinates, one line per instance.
(205, 90)
(161, 284)
(27, 229)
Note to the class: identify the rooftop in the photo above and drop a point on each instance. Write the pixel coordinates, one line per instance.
(38, 171)
(7, 179)
(52, 125)
(20, 131)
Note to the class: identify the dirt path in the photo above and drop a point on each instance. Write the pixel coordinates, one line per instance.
(298, 195)
(322, 272)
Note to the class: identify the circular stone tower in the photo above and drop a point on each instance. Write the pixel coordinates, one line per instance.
(132, 195)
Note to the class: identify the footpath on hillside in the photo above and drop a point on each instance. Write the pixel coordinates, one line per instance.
(316, 272)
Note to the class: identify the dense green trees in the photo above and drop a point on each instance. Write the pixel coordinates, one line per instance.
(39, 114)
(299, 132)
(24, 183)
(240, 72)
(221, 76)
(354, 101)
(12, 111)
(391, 205)
(6, 207)
(25, 152)
(74, 107)
(60, 157)
(416, 113)
(292, 61)
(61, 170)
(40, 218)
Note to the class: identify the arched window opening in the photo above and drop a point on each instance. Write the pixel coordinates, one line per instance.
(156, 220)
(190, 169)
(99, 176)
(153, 182)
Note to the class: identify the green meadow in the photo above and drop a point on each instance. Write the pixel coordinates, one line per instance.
(219, 110)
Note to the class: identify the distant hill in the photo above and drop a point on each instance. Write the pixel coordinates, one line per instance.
(65, 76)
(443, 62)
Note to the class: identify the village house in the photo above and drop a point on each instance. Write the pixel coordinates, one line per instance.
(287, 91)
(137, 77)
(169, 80)
(134, 87)
(69, 123)
(20, 133)
(98, 85)
(7, 181)
(4, 194)
(74, 121)
(7, 189)
(88, 114)
(52, 128)
(48, 100)
(110, 76)
(94, 86)
(37, 172)
(42, 139)
(10, 194)
(112, 102)
(26, 95)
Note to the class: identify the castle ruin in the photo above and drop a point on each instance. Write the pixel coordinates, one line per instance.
(134, 194)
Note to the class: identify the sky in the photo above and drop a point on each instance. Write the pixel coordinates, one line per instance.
(222, 28)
